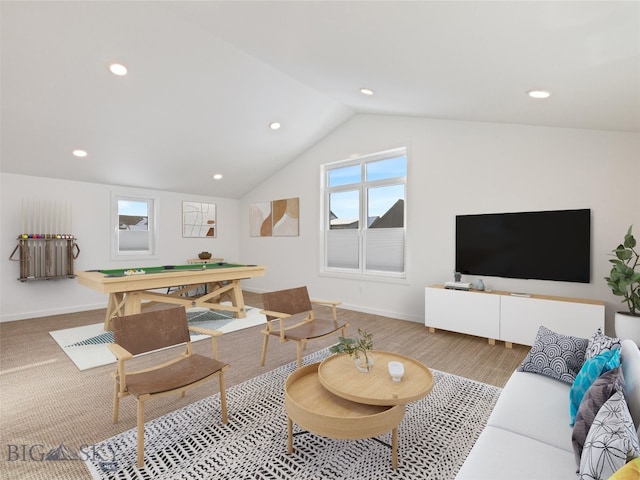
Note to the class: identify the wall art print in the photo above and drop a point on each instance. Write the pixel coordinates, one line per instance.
(278, 218)
(199, 220)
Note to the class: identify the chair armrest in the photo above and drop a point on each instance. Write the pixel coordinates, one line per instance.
(325, 302)
(329, 303)
(271, 313)
(205, 331)
(214, 334)
(121, 354)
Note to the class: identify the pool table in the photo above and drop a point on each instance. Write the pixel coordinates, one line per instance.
(128, 287)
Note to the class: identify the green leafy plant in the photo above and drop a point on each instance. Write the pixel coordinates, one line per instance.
(624, 280)
(354, 347)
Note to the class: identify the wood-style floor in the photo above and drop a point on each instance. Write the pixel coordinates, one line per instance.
(45, 401)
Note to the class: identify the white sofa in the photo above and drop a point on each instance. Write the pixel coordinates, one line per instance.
(528, 435)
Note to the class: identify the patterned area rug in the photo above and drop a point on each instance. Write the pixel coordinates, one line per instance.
(436, 436)
(87, 347)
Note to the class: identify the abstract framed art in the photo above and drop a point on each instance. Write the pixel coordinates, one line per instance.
(278, 218)
(199, 220)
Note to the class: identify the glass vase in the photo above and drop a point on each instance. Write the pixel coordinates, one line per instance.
(364, 363)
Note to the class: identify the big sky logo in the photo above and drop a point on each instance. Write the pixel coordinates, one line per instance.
(104, 457)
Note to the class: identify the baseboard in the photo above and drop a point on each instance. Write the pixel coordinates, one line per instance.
(382, 313)
(48, 313)
(84, 308)
(363, 309)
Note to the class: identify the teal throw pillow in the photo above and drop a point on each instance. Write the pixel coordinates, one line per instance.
(590, 371)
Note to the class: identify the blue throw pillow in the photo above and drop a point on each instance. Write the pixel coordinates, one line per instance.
(590, 371)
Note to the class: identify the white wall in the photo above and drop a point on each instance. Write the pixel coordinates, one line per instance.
(457, 168)
(90, 204)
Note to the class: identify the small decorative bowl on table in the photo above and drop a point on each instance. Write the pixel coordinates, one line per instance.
(204, 255)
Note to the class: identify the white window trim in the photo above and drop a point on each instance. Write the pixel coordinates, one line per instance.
(362, 273)
(152, 252)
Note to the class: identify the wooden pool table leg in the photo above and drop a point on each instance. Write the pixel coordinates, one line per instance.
(114, 308)
(133, 303)
(237, 300)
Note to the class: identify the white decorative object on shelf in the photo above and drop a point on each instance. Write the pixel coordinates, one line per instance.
(458, 285)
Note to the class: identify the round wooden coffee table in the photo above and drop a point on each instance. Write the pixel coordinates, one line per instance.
(333, 399)
(339, 375)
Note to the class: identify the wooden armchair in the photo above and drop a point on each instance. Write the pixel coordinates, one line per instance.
(296, 319)
(154, 330)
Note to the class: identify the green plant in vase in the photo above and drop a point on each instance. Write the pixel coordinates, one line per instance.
(624, 281)
(360, 348)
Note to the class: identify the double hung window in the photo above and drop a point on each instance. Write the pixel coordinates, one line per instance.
(133, 221)
(364, 215)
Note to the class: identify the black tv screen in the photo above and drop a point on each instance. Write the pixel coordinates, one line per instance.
(549, 245)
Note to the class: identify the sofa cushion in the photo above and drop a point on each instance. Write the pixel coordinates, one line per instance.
(555, 355)
(535, 406)
(502, 455)
(599, 392)
(631, 370)
(592, 369)
(611, 442)
(599, 342)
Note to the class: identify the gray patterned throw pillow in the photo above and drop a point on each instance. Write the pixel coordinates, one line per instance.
(555, 355)
(599, 392)
(611, 442)
(599, 342)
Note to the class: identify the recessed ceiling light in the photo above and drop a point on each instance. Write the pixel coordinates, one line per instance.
(274, 125)
(80, 153)
(118, 69)
(366, 91)
(538, 94)
(217, 176)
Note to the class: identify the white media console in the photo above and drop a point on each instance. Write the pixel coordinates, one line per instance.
(509, 317)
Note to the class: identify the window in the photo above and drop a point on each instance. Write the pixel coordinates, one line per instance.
(364, 227)
(133, 221)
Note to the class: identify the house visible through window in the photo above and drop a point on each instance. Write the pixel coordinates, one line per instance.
(364, 213)
(134, 227)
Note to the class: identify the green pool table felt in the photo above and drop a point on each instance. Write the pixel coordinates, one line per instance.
(119, 272)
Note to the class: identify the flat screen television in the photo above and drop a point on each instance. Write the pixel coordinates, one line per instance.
(547, 245)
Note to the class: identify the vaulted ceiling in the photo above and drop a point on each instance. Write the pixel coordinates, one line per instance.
(206, 78)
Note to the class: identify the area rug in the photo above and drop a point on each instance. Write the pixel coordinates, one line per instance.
(86, 346)
(435, 437)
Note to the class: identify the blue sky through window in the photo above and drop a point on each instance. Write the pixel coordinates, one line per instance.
(133, 208)
(345, 205)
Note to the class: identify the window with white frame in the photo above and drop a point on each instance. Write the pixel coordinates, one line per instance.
(133, 222)
(364, 215)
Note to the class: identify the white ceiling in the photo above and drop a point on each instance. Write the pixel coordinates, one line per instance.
(206, 78)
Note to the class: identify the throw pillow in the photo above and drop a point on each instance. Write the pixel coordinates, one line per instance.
(555, 355)
(599, 342)
(592, 369)
(631, 471)
(611, 442)
(599, 392)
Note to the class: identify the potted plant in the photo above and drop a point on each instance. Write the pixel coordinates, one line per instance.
(360, 348)
(624, 281)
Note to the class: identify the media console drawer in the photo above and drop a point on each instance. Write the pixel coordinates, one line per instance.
(474, 313)
(510, 318)
(521, 317)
